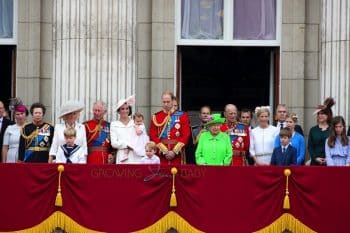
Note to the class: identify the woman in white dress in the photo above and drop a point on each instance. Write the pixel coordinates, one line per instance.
(69, 113)
(262, 138)
(122, 133)
(12, 135)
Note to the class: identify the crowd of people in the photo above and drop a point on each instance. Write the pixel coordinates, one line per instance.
(227, 138)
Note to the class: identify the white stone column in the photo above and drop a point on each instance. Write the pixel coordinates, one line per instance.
(335, 54)
(93, 52)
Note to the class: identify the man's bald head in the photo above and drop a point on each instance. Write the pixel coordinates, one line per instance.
(231, 113)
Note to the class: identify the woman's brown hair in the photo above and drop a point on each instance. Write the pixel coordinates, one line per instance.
(332, 136)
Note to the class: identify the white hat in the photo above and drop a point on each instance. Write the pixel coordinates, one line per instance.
(130, 101)
(69, 107)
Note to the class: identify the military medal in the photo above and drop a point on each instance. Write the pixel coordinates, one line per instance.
(177, 133)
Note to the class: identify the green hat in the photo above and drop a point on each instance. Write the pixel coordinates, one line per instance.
(215, 119)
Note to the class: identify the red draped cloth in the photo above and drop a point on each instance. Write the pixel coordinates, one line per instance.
(127, 198)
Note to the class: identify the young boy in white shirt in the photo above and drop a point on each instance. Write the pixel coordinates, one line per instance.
(70, 152)
(150, 157)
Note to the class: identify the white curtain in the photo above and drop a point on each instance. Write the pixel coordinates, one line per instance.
(255, 19)
(6, 18)
(202, 19)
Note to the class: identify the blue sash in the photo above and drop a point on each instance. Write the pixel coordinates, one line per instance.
(35, 143)
(175, 118)
(102, 136)
(236, 132)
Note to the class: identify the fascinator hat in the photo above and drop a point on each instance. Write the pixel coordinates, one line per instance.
(215, 119)
(16, 105)
(129, 101)
(69, 107)
(325, 107)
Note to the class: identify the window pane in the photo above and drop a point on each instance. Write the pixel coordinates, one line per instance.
(255, 19)
(202, 19)
(6, 18)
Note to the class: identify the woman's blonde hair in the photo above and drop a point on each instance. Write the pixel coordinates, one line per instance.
(151, 145)
(293, 116)
(70, 132)
(261, 109)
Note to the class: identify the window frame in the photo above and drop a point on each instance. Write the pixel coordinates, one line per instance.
(13, 39)
(228, 29)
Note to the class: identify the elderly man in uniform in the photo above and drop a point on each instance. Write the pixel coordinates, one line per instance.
(239, 135)
(170, 130)
(98, 136)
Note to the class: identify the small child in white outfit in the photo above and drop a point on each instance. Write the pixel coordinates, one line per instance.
(150, 157)
(70, 152)
(140, 138)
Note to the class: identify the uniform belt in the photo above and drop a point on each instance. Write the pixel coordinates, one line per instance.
(98, 149)
(238, 153)
(265, 154)
(169, 141)
(36, 148)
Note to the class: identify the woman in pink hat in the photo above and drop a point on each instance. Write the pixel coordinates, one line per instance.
(122, 132)
(12, 134)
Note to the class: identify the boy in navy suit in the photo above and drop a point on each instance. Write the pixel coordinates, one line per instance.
(285, 154)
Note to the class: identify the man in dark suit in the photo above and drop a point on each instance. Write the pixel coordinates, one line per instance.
(281, 114)
(285, 154)
(4, 122)
(197, 127)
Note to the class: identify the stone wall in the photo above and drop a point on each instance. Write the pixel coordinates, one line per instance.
(34, 52)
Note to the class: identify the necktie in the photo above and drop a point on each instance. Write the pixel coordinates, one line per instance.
(281, 125)
(283, 150)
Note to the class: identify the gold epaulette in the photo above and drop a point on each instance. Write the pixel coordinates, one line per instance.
(93, 132)
(30, 136)
(165, 121)
(97, 128)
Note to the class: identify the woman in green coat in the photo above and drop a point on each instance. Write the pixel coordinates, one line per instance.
(214, 146)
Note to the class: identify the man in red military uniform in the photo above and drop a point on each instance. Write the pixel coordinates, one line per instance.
(170, 130)
(239, 136)
(98, 136)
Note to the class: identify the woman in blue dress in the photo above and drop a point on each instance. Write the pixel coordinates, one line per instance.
(337, 144)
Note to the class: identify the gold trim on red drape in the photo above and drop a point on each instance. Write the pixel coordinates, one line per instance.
(57, 219)
(286, 221)
(170, 220)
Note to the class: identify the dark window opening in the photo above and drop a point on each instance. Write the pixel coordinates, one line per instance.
(216, 76)
(7, 71)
